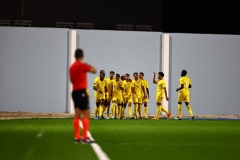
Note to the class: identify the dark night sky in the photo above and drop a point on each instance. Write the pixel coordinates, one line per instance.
(182, 16)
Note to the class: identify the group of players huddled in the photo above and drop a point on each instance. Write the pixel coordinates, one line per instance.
(122, 91)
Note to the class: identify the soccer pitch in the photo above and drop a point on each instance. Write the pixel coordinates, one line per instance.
(43, 139)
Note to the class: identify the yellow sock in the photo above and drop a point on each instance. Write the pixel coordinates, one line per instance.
(123, 111)
(145, 112)
(164, 110)
(119, 111)
(108, 110)
(130, 111)
(158, 111)
(113, 109)
(104, 108)
(136, 110)
(95, 111)
(100, 110)
(190, 110)
(179, 110)
(140, 109)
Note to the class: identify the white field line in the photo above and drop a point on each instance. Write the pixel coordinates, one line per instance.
(97, 149)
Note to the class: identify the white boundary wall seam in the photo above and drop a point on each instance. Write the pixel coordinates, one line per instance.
(165, 64)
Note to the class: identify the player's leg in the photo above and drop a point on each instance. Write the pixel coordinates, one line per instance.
(159, 107)
(189, 108)
(140, 102)
(180, 99)
(168, 113)
(123, 110)
(101, 108)
(159, 103)
(114, 101)
(135, 102)
(130, 108)
(145, 108)
(96, 108)
(109, 99)
(140, 110)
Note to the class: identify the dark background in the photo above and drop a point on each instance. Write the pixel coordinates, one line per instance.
(179, 16)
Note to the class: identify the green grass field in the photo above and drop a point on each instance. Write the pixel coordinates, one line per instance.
(43, 139)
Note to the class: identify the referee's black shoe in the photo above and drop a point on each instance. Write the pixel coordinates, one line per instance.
(87, 141)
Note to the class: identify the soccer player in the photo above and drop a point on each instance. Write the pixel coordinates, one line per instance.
(127, 96)
(100, 87)
(109, 91)
(145, 99)
(117, 98)
(78, 77)
(184, 94)
(137, 89)
(96, 108)
(161, 90)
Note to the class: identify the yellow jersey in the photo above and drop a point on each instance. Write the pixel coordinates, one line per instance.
(161, 84)
(127, 88)
(109, 84)
(100, 84)
(145, 82)
(116, 90)
(186, 82)
(137, 86)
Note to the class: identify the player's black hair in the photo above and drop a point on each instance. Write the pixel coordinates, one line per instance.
(141, 73)
(101, 72)
(161, 73)
(79, 53)
(117, 75)
(135, 73)
(112, 72)
(184, 73)
(127, 74)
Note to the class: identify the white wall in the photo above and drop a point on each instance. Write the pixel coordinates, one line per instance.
(212, 62)
(33, 69)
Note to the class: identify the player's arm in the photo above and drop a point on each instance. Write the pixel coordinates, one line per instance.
(154, 80)
(190, 86)
(144, 92)
(182, 86)
(93, 70)
(105, 89)
(105, 92)
(120, 85)
(147, 90)
(165, 91)
(95, 88)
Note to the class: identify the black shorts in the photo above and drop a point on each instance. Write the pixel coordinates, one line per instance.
(80, 99)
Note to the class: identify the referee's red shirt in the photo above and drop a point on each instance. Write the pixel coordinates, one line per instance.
(78, 75)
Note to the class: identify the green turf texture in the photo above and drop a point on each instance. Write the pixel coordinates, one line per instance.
(121, 139)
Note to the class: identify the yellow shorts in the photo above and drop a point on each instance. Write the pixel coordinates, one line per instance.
(137, 99)
(117, 98)
(183, 97)
(159, 97)
(127, 99)
(99, 96)
(144, 99)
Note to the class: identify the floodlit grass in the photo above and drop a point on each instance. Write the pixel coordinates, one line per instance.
(52, 139)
